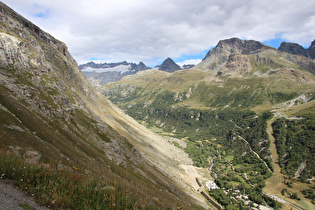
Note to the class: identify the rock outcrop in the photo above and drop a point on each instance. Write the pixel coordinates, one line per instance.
(297, 49)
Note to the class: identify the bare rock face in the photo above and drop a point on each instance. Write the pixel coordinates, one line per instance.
(311, 50)
(293, 48)
(236, 65)
(297, 49)
(226, 50)
(236, 45)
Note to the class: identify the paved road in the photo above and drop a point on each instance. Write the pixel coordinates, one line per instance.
(11, 198)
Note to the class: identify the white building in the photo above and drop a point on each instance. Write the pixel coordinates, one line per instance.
(211, 185)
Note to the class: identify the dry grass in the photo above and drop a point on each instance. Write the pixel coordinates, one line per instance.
(66, 189)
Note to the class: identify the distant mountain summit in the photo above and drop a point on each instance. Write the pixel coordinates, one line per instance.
(231, 54)
(102, 73)
(241, 58)
(169, 66)
(236, 45)
(297, 49)
(90, 66)
(141, 66)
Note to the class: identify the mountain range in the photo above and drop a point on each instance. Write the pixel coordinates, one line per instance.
(103, 73)
(100, 74)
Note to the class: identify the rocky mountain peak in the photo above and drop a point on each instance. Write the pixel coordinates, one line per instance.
(293, 48)
(236, 45)
(297, 49)
(239, 58)
(169, 65)
(141, 66)
(228, 51)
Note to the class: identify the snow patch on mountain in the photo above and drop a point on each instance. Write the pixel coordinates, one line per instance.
(120, 68)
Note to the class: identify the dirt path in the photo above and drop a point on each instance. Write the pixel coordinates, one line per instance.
(12, 198)
(275, 183)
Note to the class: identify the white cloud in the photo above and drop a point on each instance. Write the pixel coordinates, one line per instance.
(190, 61)
(150, 30)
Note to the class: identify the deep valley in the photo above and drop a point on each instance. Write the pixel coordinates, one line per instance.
(235, 131)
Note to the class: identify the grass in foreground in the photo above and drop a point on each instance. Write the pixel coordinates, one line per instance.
(66, 189)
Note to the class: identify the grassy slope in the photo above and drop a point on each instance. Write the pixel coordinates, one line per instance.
(49, 114)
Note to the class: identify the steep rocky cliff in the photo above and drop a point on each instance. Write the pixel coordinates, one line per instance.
(297, 49)
(50, 113)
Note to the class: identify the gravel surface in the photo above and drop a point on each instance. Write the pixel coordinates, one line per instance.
(11, 198)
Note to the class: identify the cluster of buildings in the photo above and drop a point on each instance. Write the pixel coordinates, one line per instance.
(211, 185)
(236, 195)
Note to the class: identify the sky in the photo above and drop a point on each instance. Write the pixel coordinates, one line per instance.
(153, 30)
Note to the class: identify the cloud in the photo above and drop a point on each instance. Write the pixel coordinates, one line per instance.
(150, 30)
(190, 61)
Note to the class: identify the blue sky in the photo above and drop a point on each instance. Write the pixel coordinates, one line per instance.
(40, 12)
(151, 31)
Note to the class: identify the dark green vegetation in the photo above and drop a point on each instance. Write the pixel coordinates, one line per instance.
(310, 193)
(211, 132)
(296, 146)
(220, 135)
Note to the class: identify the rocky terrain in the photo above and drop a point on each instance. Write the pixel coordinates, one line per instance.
(297, 49)
(50, 113)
